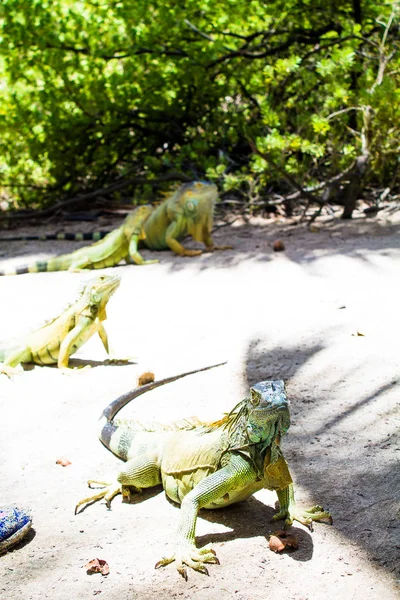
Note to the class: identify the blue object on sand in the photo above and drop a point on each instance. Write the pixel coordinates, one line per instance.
(14, 525)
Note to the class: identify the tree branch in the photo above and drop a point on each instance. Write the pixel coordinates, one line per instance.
(76, 200)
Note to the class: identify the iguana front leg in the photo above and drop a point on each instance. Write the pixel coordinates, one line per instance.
(209, 243)
(72, 341)
(290, 512)
(104, 338)
(134, 256)
(237, 474)
(170, 238)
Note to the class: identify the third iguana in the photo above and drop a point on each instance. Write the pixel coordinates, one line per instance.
(120, 244)
(61, 337)
(205, 465)
(188, 211)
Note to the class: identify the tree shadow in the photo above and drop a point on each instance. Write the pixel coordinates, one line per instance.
(252, 518)
(352, 476)
(375, 235)
(80, 363)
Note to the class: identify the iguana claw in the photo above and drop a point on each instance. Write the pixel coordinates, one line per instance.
(306, 517)
(187, 252)
(7, 370)
(109, 491)
(191, 557)
(73, 370)
(216, 248)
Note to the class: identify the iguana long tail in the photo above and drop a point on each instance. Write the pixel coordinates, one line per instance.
(94, 236)
(40, 266)
(106, 424)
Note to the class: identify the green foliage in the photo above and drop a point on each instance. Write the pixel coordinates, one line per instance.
(93, 91)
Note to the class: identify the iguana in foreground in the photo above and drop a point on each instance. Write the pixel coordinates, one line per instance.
(56, 341)
(120, 244)
(189, 211)
(205, 465)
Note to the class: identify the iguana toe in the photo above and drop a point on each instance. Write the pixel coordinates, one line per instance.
(192, 252)
(7, 370)
(109, 491)
(306, 517)
(215, 248)
(73, 370)
(190, 557)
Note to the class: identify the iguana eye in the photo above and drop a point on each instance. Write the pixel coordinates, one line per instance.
(254, 397)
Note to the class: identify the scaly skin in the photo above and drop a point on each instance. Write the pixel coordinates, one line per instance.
(56, 341)
(120, 244)
(189, 211)
(205, 465)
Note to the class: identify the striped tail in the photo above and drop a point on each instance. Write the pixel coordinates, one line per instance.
(94, 236)
(106, 424)
(40, 266)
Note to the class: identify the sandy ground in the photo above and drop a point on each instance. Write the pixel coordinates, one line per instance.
(294, 315)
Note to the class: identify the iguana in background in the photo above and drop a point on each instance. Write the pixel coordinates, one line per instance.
(120, 244)
(56, 341)
(189, 211)
(205, 465)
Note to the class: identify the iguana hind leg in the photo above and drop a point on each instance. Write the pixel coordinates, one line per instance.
(138, 473)
(108, 492)
(134, 256)
(14, 358)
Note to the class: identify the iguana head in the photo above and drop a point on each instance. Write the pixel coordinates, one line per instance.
(198, 199)
(263, 415)
(268, 416)
(135, 221)
(98, 291)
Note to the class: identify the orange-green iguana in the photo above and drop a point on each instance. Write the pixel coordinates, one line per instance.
(189, 211)
(120, 244)
(56, 341)
(205, 465)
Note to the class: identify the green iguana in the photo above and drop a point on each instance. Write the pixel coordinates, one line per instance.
(189, 211)
(205, 465)
(56, 341)
(120, 244)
